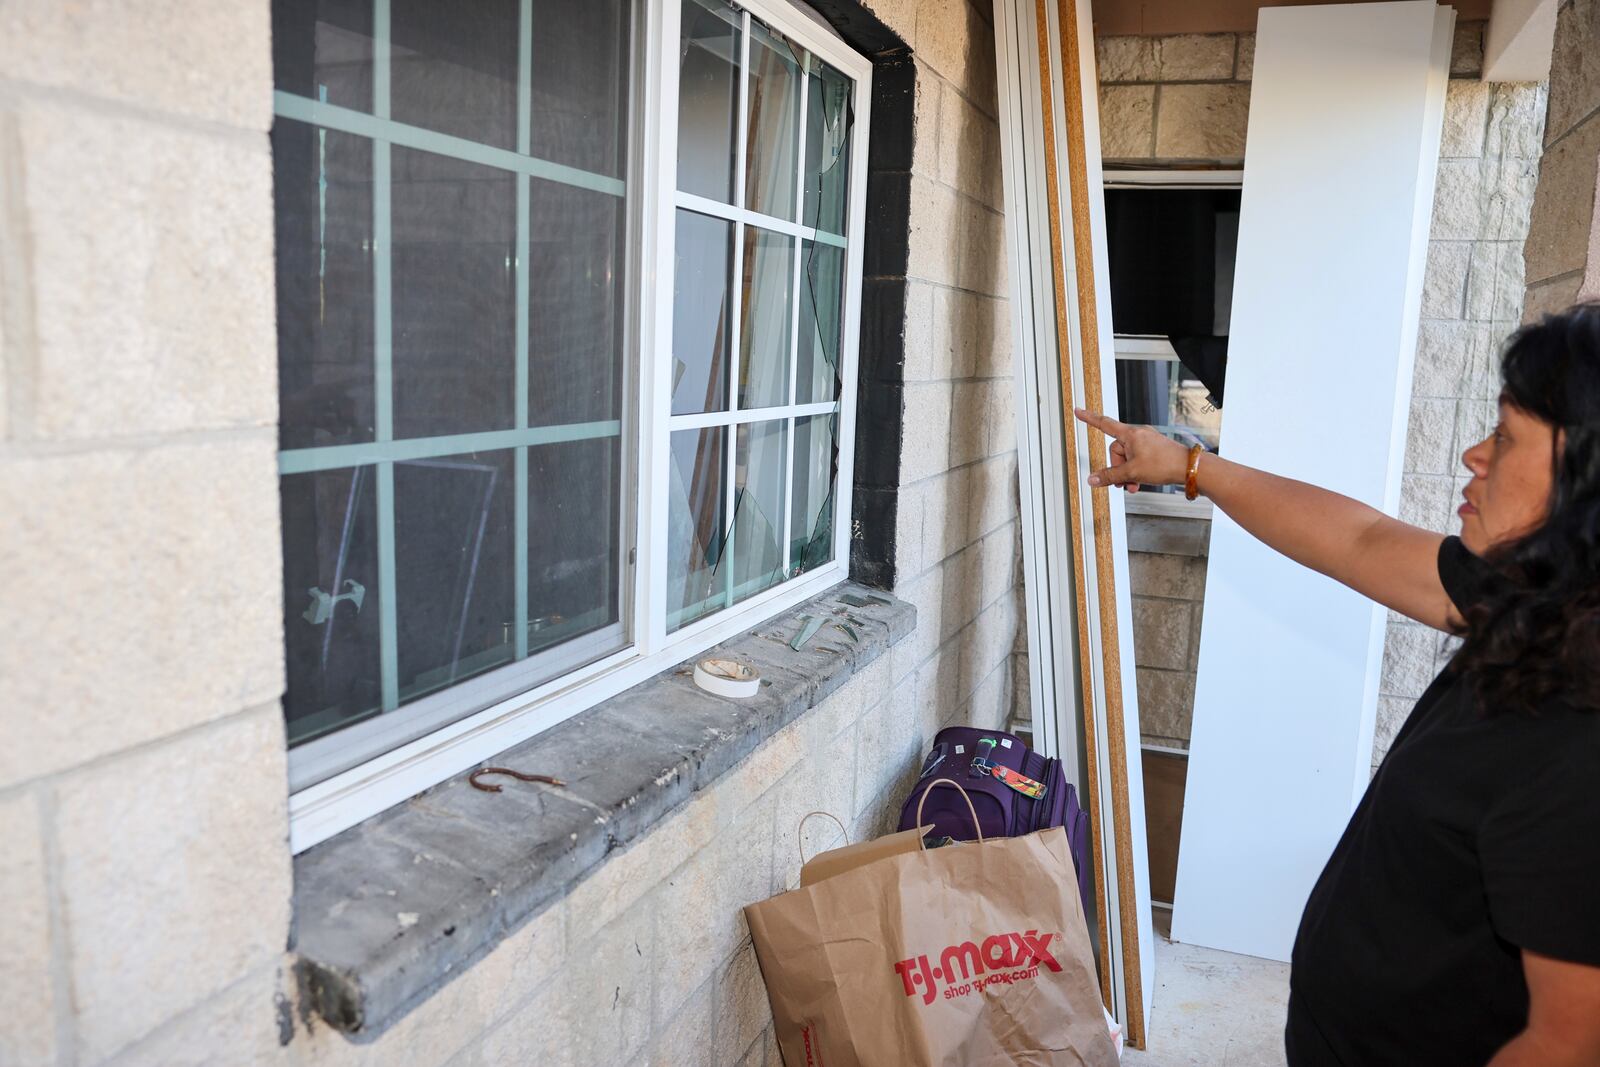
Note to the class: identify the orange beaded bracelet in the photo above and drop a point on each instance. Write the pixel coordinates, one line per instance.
(1191, 484)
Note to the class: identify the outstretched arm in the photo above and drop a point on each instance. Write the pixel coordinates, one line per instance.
(1361, 547)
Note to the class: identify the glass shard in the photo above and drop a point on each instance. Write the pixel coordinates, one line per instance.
(816, 456)
(828, 123)
(708, 98)
(758, 508)
(702, 322)
(765, 322)
(696, 525)
(821, 323)
(774, 124)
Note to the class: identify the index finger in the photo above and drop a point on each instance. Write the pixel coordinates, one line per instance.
(1103, 423)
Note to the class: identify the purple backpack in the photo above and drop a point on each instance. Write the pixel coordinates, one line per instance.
(1013, 789)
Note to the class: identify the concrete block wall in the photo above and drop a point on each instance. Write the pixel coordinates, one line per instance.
(1563, 247)
(1472, 298)
(1175, 99)
(958, 554)
(142, 777)
(142, 783)
(1168, 590)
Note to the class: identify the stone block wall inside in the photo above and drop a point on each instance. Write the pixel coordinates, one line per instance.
(1563, 248)
(142, 775)
(1177, 102)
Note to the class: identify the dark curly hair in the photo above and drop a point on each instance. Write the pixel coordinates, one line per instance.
(1535, 636)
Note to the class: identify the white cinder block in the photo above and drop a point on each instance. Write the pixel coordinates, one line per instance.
(927, 594)
(28, 1034)
(1516, 121)
(1408, 655)
(1444, 281)
(1495, 285)
(149, 583)
(1196, 57)
(969, 421)
(963, 590)
(188, 57)
(925, 153)
(908, 559)
(248, 1012)
(682, 1036)
(596, 1009)
(1458, 200)
(705, 898)
(153, 278)
(944, 523)
(920, 337)
(1430, 436)
(174, 876)
(1445, 351)
(934, 232)
(1127, 121)
(947, 39)
(982, 265)
(626, 876)
(924, 447)
(1466, 118)
(1126, 59)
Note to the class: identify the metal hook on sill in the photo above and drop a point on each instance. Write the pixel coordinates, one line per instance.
(491, 788)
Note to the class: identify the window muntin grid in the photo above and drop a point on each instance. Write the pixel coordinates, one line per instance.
(488, 712)
(767, 354)
(446, 482)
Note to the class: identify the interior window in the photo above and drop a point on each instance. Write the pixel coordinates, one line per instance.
(1171, 255)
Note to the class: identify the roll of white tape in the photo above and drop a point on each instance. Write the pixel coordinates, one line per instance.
(727, 678)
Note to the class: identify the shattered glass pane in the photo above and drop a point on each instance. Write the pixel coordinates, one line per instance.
(764, 326)
(828, 122)
(708, 98)
(816, 453)
(696, 514)
(758, 508)
(821, 307)
(774, 117)
(702, 324)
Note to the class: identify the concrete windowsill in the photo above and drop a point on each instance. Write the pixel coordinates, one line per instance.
(386, 912)
(1169, 535)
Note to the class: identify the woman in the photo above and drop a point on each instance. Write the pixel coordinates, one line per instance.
(1458, 920)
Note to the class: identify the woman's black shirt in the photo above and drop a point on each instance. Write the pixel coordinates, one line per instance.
(1478, 837)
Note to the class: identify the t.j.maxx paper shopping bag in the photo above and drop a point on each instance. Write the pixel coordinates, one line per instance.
(972, 954)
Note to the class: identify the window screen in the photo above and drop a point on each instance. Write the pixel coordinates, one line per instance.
(452, 231)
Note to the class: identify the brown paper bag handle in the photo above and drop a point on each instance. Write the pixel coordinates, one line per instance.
(800, 837)
(923, 840)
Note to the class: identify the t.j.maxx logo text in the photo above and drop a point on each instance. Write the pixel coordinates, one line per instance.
(973, 960)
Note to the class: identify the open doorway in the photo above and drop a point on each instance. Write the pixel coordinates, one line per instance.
(1172, 237)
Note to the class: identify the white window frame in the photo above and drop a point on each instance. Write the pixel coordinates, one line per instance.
(319, 811)
(1129, 346)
